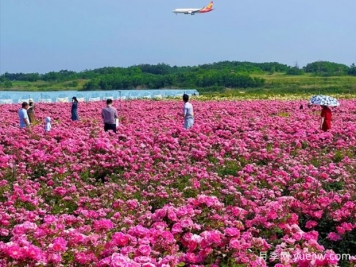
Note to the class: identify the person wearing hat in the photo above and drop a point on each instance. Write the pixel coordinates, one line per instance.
(31, 111)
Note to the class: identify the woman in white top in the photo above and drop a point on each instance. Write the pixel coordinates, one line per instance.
(188, 113)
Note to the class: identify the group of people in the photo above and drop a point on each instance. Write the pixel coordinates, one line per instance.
(109, 114)
(27, 116)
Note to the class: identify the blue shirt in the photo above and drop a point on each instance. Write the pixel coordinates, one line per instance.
(23, 115)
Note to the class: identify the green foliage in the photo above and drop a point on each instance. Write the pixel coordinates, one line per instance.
(8, 84)
(250, 78)
(73, 84)
(352, 70)
(333, 186)
(189, 192)
(326, 68)
(182, 182)
(338, 156)
(295, 71)
(230, 167)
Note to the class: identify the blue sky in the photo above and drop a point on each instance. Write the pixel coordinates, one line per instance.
(49, 35)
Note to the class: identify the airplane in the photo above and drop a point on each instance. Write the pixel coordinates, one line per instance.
(193, 11)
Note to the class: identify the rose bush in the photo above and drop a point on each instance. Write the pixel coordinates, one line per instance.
(250, 178)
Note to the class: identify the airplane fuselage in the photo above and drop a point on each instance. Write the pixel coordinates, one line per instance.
(190, 11)
(193, 11)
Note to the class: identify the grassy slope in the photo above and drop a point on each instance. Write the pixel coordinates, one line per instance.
(45, 86)
(277, 83)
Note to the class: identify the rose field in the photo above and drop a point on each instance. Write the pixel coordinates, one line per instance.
(253, 183)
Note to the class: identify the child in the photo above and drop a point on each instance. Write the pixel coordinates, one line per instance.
(47, 126)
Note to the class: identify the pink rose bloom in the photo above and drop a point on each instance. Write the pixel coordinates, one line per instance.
(168, 237)
(211, 237)
(144, 250)
(160, 214)
(34, 252)
(138, 231)
(127, 250)
(235, 243)
(55, 258)
(192, 258)
(118, 260)
(103, 224)
(298, 236)
(14, 251)
(120, 239)
(172, 216)
(321, 261)
(77, 238)
(117, 215)
(177, 228)
(186, 223)
(4, 232)
(132, 203)
(143, 259)
(310, 224)
(82, 258)
(59, 244)
(50, 219)
(334, 236)
(232, 232)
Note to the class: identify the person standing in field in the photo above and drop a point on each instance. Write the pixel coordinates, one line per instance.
(325, 122)
(47, 126)
(31, 111)
(109, 115)
(74, 110)
(24, 120)
(188, 112)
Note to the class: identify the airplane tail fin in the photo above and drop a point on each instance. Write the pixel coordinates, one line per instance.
(208, 8)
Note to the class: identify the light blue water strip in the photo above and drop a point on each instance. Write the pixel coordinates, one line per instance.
(9, 97)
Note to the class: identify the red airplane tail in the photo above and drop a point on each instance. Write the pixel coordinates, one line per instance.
(208, 8)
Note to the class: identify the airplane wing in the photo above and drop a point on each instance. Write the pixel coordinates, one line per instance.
(195, 11)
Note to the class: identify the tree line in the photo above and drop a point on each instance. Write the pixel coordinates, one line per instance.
(233, 74)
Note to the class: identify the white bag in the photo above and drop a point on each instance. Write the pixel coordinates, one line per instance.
(117, 122)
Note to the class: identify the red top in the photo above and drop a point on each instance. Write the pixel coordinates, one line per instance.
(326, 113)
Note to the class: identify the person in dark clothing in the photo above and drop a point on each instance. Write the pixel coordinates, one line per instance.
(74, 110)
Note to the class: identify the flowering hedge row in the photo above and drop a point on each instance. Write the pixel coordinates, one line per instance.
(250, 178)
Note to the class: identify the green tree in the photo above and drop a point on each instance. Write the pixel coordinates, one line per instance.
(326, 68)
(352, 70)
(295, 70)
